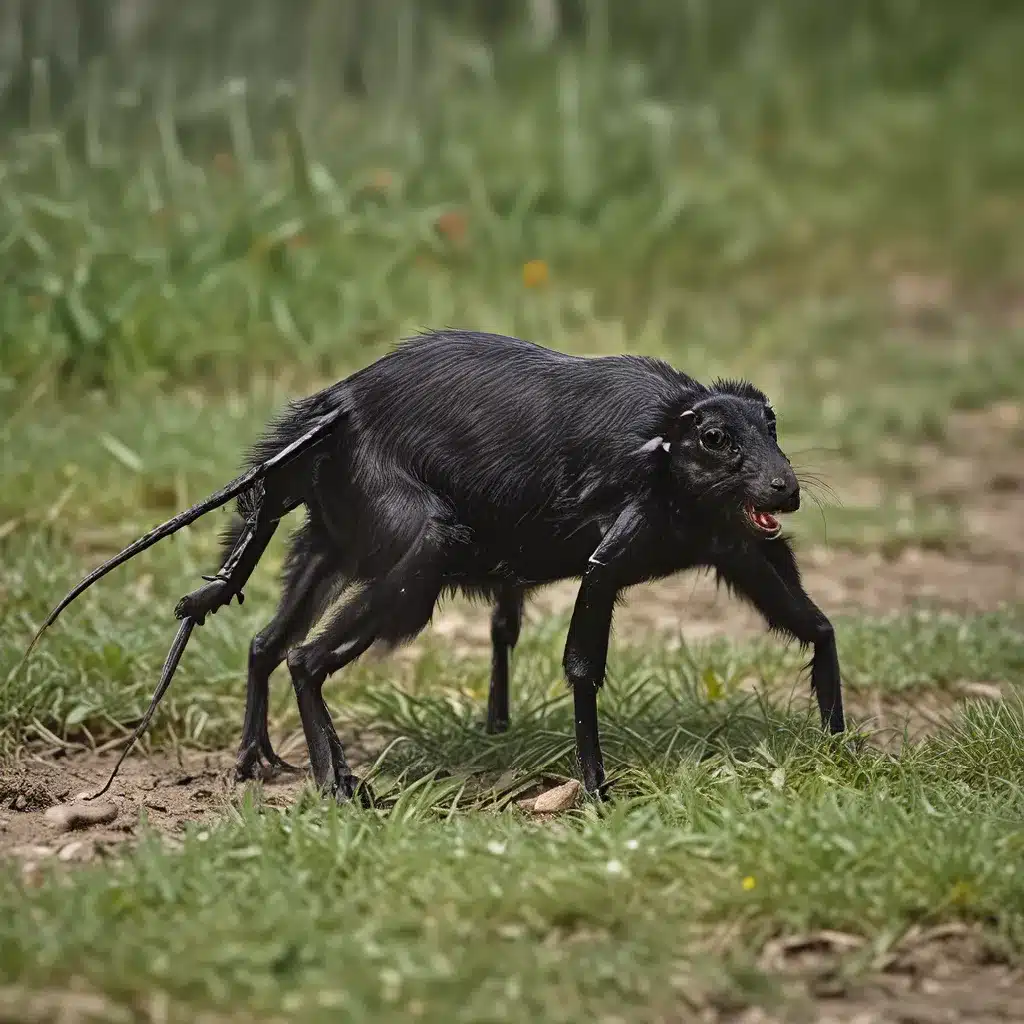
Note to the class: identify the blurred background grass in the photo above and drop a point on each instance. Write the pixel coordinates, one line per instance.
(203, 192)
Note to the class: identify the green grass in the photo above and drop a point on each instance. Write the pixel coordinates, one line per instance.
(824, 202)
(440, 909)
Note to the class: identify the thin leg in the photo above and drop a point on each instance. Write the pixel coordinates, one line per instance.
(768, 577)
(305, 579)
(392, 609)
(586, 647)
(506, 621)
(331, 770)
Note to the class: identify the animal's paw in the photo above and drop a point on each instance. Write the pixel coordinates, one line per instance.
(349, 787)
(595, 784)
(258, 761)
(206, 600)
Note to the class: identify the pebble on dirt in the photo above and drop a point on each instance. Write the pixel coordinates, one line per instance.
(80, 815)
(561, 798)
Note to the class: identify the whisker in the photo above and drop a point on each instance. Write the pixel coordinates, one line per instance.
(812, 480)
(830, 495)
(824, 521)
(827, 494)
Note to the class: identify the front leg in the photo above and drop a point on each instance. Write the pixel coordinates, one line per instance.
(586, 647)
(767, 576)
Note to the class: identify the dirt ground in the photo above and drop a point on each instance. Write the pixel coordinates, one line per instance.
(948, 975)
(936, 976)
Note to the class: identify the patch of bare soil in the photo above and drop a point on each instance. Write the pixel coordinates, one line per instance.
(939, 976)
(167, 790)
(891, 720)
(40, 794)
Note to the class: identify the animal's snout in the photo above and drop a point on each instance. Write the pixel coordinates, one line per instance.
(785, 490)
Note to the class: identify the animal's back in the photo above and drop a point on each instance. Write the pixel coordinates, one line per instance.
(499, 426)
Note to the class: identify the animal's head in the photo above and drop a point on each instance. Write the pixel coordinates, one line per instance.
(725, 453)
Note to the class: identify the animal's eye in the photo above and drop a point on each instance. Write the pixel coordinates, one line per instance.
(713, 439)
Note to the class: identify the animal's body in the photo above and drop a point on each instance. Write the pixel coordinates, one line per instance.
(491, 465)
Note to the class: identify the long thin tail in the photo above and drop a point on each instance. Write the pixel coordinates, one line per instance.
(302, 444)
(170, 666)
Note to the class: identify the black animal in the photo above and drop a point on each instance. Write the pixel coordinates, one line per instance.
(489, 465)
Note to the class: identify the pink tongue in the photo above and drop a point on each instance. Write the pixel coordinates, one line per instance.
(765, 520)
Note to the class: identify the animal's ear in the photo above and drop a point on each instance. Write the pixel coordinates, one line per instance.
(679, 427)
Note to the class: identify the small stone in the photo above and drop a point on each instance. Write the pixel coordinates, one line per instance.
(20, 803)
(986, 691)
(80, 815)
(33, 850)
(1008, 414)
(31, 875)
(561, 798)
(72, 850)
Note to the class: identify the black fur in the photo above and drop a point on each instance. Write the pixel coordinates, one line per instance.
(492, 466)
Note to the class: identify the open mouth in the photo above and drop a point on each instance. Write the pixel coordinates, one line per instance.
(763, 522)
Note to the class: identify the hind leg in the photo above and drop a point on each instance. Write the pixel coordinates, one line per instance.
(392, 609)
(308, 574)
(506, 621)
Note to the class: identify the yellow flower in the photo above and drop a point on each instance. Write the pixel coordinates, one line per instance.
(749, 882)
(713, 684)
(961, 894)
(535, 273)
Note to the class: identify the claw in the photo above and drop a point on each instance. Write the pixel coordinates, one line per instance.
(258, 762)
(350, 787)
(278, 763)
(248, 765)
